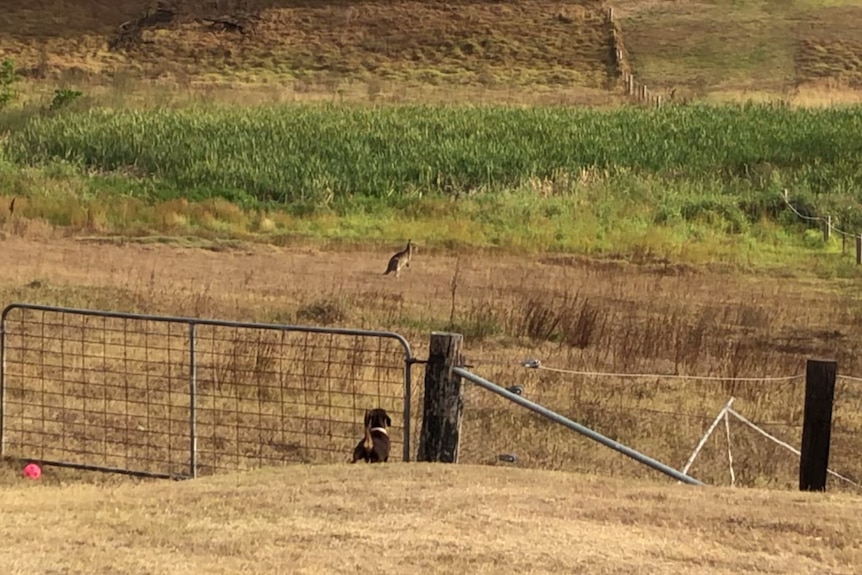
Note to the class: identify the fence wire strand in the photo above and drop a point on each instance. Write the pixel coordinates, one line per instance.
(802, 216)
(661, 415)
(538, 365)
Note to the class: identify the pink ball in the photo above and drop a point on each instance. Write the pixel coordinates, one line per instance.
(32, 471)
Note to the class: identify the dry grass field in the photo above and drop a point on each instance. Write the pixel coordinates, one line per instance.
(422, 518)
(571, 314)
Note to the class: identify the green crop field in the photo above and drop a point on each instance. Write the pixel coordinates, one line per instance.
(629, 180)
(286, 154)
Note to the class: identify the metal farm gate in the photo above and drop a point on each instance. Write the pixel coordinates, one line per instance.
(181, 397)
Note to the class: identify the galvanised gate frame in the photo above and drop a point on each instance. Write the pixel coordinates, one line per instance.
(166, 396)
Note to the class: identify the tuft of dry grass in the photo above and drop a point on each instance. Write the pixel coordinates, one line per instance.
(422, 518)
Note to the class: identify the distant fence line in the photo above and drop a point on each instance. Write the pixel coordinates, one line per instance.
(828, 228)
(635, 90)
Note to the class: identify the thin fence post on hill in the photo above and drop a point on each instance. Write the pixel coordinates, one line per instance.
(444, 400)
(827, 229)
(817, 425)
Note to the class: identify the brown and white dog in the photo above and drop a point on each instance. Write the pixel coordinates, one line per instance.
(374, 447)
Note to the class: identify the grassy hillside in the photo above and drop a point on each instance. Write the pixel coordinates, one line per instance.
(460, 41)
(759, 48)
(422, 518)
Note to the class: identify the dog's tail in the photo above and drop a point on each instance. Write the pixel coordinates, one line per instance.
(364, 447)
(368, 443)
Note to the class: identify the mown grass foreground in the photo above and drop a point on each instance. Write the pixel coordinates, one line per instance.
(438, 519)
(587, 181)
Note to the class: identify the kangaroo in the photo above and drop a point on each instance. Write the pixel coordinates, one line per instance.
(400, 260)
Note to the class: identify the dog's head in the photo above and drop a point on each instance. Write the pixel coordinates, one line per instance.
(377, 418)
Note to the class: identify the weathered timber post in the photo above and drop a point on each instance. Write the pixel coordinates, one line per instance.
(827, 229)
(444, 400)
(817, 424)
(859, 249)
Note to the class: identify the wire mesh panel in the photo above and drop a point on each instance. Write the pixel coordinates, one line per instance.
(97, 392)
(270, 395)
(177, 397)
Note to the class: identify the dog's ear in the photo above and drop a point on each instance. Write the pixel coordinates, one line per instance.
(367, 418)
(388, 421)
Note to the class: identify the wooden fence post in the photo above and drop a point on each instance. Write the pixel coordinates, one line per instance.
(817, 424)
(645, 94)
(444, 400)
(859, 249)
(827, 229)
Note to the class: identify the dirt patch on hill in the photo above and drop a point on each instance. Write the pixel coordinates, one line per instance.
(830, 47)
